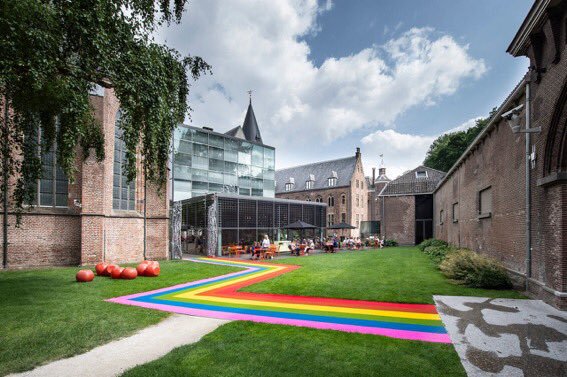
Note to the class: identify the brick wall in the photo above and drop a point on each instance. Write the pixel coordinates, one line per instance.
(498, 161)
(399, 218)
(93, 231)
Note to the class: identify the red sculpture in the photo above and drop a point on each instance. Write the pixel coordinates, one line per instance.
(109, 269)
(100, 269)
(84, 276)
(129, 273)
(116, 272)
(141, 269)
(152, 270)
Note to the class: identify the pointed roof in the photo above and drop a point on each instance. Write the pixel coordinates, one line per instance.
(250, 126)
(412, 183)
(236, 132)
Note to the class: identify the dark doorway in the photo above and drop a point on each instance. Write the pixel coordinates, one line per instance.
(423, 217)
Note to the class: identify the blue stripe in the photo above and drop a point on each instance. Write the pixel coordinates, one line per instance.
(306, 317)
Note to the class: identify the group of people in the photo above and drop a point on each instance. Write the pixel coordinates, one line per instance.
(259, 247)
(295, 246)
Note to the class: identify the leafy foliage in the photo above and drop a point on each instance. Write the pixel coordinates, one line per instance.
(52, 52)
(437, 253)
(431, 242)
(475, 270)
(390, 243)
(447, 148)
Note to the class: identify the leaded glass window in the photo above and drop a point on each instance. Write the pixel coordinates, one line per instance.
(123, 192)
(52, 188)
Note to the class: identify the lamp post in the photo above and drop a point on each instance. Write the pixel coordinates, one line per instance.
(513, 118)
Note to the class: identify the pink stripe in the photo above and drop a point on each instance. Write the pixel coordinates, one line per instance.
(400, 334)
(192, 283)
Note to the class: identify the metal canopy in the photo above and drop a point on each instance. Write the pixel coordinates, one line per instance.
(341, 226)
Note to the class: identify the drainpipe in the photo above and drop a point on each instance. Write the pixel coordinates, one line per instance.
(5, 153)
(528, 192)
(145, 207)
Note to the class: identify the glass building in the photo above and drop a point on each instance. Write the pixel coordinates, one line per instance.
(216, 221)
(207, 162)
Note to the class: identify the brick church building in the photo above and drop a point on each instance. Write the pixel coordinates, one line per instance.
(99, 216)
(338, 183)
(482, 201)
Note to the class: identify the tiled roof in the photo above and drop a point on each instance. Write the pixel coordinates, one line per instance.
(236, 132)
(410, 184)
(321, 171)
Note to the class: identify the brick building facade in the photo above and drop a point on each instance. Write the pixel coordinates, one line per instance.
(339, 183)
(404, 206)
(87, 222)
(483, 196)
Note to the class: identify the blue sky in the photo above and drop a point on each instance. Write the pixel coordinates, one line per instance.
(328, 76)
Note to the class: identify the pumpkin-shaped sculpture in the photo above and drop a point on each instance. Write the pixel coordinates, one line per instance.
(109, 268)
(101, 268)
(116, 272)
(84, 276)
(141, 269)
(129, 273)
(152, 270)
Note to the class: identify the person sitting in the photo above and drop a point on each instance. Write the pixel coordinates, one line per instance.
(294, 248)
(309, 246)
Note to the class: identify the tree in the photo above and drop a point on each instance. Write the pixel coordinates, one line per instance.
(447, 148)
(53, 52)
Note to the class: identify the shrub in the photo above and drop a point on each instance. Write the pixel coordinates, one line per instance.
(431, 242)
(437, 253)
(390, 243)
(475, 270)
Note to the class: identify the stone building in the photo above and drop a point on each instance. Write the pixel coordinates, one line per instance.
(97, 217)
(339, 183)
(481, 203)
(374, 186)
(404, 206)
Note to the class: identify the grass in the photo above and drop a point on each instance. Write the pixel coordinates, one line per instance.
(399, 274)
(46, 315)
(252, 349)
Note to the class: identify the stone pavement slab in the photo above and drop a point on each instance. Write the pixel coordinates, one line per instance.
(114, 358)
(506, 337)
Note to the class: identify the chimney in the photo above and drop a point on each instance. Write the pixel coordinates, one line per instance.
(373, 177)
(357, 154)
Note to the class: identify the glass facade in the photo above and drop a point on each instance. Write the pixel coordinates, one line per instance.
(209, 162)
(243, 220)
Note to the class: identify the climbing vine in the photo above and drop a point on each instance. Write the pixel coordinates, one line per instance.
(53, 52)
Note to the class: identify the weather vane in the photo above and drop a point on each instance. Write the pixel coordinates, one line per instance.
(250, 95)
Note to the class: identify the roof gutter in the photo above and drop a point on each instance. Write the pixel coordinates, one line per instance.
(535, 15)
(496, 118)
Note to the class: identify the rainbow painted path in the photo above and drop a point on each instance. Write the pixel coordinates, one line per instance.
(218, 297)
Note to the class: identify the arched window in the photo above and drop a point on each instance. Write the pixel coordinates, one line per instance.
(123, 192)
(343, 199)
(308, 199)
(319, 199)
(331, 201)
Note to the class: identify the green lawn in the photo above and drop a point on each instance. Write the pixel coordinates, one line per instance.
(46, 315)
(251, 349)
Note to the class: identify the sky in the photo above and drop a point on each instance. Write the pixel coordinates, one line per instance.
(330, 76)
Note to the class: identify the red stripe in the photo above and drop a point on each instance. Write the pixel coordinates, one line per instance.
(231, 291)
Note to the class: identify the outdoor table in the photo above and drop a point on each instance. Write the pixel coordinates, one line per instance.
(329, 247)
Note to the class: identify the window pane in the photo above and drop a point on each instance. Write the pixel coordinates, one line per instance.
(61, 200)
(231, 167)
(200, 163)
(45, 199)
(216, 140)
(61, 187)
(200, 150)
(216, 153)
(201, 137)
(231, 156)
(216, 165)
(257, 155)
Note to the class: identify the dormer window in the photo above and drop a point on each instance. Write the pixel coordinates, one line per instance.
(421, 174)
(288, 186)
(309, 185)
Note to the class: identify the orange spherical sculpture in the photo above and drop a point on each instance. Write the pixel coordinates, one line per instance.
(141, 269)
(84, 276)
(109, 269)
(100, 269)
(152, 270)
(116, 272)
(129, 273)
(146, 262)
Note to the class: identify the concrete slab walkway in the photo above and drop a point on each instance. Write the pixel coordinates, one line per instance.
(506, 337)
(113, 358)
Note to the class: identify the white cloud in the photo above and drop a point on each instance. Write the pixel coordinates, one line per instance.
(401, 151)
(258, 45)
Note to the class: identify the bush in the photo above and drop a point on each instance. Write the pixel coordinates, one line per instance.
(431, 242)
(437, 253)
(390, 243)
(475, 270)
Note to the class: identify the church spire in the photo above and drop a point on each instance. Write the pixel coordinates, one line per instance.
(250, 126)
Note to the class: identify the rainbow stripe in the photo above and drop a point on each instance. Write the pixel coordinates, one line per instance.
(218, 297)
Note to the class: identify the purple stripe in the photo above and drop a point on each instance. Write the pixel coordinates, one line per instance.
(184, 285)
(400, 334)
